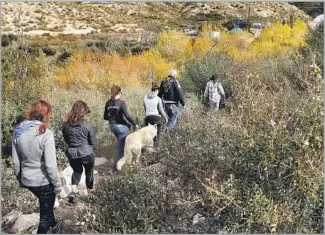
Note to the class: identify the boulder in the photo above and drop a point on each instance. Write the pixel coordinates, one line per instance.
(10, 218)
(25, 222)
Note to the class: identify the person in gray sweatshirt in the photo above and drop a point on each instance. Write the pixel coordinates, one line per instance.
(34, 159)
(154, 111)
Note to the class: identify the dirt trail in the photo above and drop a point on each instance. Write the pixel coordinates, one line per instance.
(67, 211)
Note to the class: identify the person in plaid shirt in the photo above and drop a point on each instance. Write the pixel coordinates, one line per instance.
(213, 93)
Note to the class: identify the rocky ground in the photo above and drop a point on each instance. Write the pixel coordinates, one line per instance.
(16, 222)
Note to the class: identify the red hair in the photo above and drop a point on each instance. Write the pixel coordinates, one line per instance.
(40, 111)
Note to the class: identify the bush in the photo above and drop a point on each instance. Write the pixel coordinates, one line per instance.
(25, 80)
(315, 46)
(198, 72)
(49, 51)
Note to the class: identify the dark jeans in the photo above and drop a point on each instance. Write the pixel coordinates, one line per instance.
(152, 119)
(46, 197)
(77, 166)
(120, 131)
(172, 111)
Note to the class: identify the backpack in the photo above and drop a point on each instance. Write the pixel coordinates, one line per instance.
(167, 83)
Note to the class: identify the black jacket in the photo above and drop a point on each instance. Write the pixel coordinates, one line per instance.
(116, 113)
(79, 138)
(170, 91)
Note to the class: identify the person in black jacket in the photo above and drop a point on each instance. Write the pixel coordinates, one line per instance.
(171, 93)
(80, 138)
(119, 118)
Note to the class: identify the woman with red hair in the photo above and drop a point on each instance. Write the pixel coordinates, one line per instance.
(35, 167)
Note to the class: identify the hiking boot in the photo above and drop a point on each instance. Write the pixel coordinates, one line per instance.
(72, 197)
(57, 228)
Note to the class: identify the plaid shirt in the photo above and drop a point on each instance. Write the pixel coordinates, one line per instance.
(212, 92)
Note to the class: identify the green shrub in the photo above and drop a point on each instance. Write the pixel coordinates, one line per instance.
(25, 79)
(198, 72)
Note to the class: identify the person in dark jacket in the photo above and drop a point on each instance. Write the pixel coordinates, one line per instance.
(171, 93)
(80, 138)
(119, 118)
(154, 111)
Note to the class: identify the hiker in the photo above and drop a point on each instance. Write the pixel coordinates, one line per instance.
(119, 118)
(34, 158)
(80, 137)
(154, 111)
(213, 93)
(171, 93)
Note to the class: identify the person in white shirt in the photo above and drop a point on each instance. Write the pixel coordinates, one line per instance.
(213, 93)
(154, 111)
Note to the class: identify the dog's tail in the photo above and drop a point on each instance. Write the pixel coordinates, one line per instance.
(126, 156)
(120, 163)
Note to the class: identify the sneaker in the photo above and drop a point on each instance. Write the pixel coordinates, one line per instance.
(72, 197)
(57, 228)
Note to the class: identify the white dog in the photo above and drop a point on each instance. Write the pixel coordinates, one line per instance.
(135, 142)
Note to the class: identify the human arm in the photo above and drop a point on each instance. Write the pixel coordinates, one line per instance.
(65, 134)
(222, 91)
(50, 160)
(126, 114)
(106, 112)
(91, 135)
(179, 92)
(144, 106)
(206, 93)
(16, 160)
(161, 110)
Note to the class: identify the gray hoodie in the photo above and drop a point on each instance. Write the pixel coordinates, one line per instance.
(34, 156)
(153, 105)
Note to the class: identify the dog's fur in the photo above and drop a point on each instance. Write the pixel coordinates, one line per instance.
(135, 142)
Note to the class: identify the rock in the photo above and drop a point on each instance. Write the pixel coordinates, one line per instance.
(68, 223)
(24, 222)
(198, 218)
(100, 161)
(34, 231)
(95, 172)
(10, 218)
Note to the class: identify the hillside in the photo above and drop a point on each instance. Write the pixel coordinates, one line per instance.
(115, 19)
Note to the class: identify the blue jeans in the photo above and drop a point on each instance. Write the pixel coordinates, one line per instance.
(46, 197)
(120, 131)
(172, 112)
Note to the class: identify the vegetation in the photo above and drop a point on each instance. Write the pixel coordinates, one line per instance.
(254, 167)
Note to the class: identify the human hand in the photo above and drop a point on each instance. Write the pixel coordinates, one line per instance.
(57, 190)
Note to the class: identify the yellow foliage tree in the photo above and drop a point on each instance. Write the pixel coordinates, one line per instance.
(175, 46)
